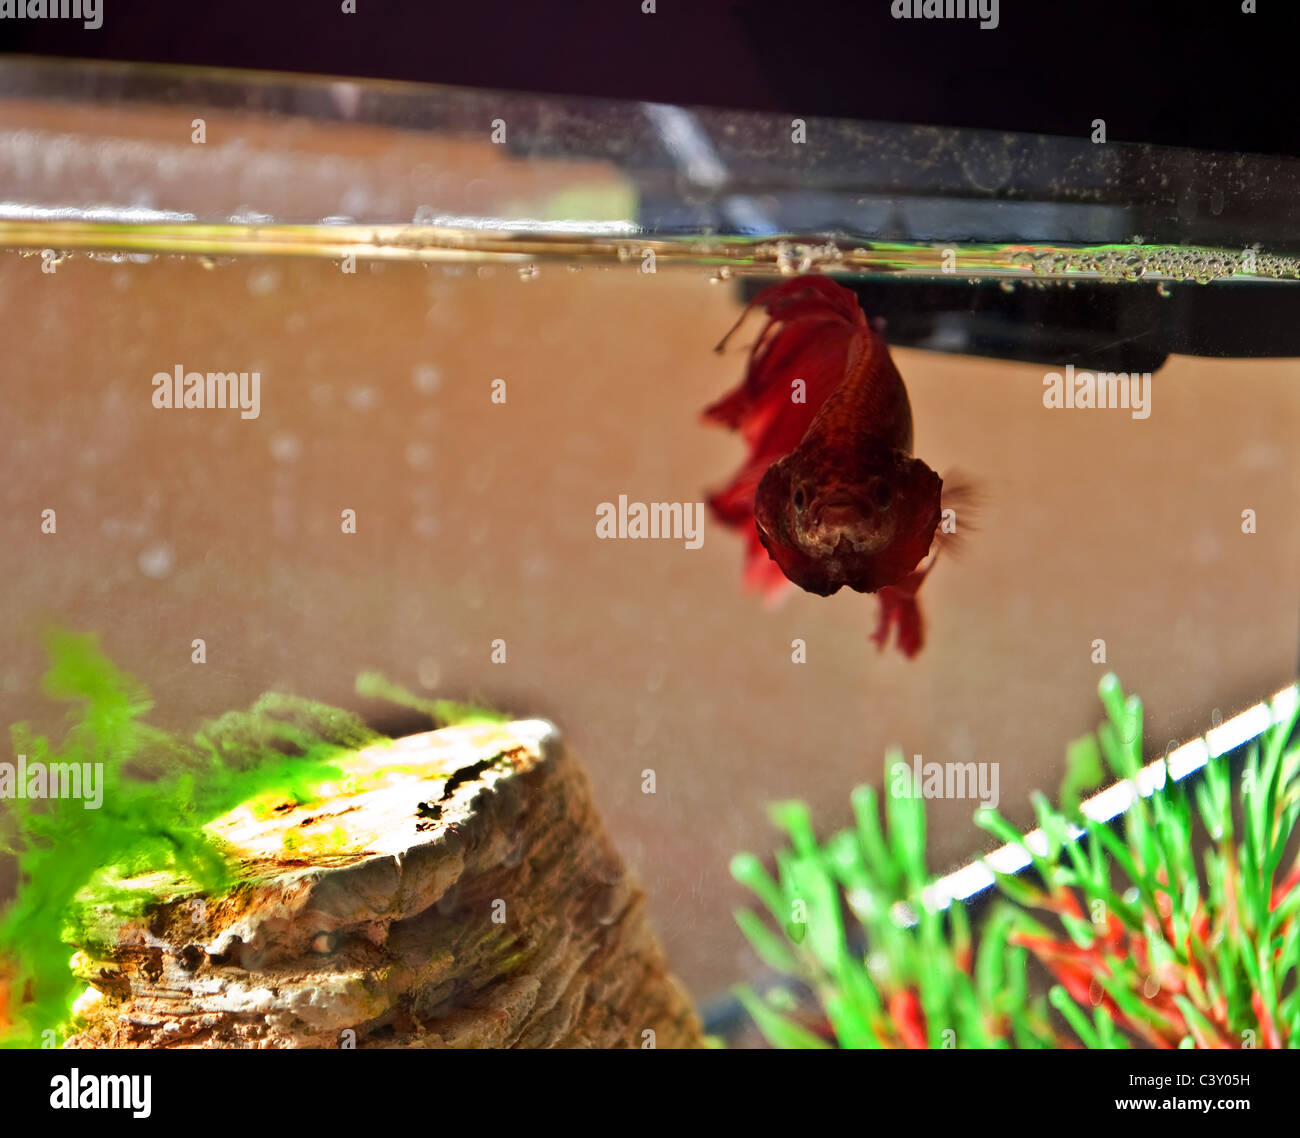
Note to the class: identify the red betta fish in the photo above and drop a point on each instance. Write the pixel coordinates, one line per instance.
(830, 494)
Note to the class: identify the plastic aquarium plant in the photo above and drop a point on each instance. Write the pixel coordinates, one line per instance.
(1146, 944)
(159, 790)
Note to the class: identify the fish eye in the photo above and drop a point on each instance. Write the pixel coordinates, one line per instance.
(799, 500)
(882, 494)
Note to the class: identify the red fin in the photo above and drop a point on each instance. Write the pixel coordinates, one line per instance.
(810, 323)
(762, 574)
(733, 505)
(899, 609)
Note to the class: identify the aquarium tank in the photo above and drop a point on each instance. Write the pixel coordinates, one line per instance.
(424, 543)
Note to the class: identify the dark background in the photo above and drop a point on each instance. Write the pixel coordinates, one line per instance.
(1180, 72)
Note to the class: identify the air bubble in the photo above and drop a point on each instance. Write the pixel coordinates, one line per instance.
(793, 259)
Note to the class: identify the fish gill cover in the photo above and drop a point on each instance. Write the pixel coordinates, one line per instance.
(159, 790)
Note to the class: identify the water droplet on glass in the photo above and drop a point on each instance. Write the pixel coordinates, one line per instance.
(263, 281)
(419, 455)
(157, 560)
(426, 379)
(363, 398)
(429, 672)
(285, 446)
(1206, 549)
(529, 272)
(535, 567)
(472, 594)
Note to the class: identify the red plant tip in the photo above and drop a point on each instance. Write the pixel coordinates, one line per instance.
(909, 1021)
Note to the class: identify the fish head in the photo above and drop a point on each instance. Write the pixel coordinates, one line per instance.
(863, 519)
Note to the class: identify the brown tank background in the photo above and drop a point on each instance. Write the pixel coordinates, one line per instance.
(476, 521)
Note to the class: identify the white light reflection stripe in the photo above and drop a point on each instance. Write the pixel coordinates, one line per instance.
(519, 225)
(125, 215)
(140, 215)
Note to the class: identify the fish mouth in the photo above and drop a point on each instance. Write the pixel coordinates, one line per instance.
(842, 524)
(840, 499)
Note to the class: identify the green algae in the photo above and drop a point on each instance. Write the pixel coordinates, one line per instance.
(159, 790)
(443, 712)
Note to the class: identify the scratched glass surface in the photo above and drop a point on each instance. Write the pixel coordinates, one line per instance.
(486, 324)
